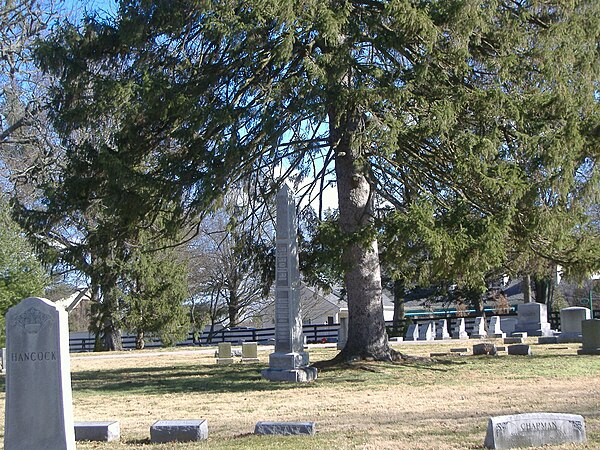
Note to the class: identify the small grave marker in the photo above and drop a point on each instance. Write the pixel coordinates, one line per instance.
(484, 349)
(519, 349)
(534, 430)
(285, 428)
(178, 430)
(97, 431)
(224, 353)
(249, 352)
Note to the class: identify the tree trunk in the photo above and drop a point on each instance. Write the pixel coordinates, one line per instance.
(233, 308)
(526, 285)
(112, 337)
(139, 340)
(398, 320)
(367, 338)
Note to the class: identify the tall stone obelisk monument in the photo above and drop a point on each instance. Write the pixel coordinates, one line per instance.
(289, 362)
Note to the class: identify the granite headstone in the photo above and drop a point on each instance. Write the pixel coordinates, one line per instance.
(39, 405)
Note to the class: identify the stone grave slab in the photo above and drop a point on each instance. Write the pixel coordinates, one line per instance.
(513, 340)
(570, 323)
(494, 330)
(285, 428)
(519, 349)
(39, 405)
(97, 431)
(441, 330)
(484, 349)
(427, 331)
(545, 340)
(591, 337)
(533, 319)
(224, 355)
(412, 334)
(534, 430)
(478, 331)
(460, 331)
(178, 431)
(250, 352)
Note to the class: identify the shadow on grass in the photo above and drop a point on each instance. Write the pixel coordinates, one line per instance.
(163, 380)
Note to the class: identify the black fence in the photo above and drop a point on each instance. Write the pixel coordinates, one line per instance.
(313, 333)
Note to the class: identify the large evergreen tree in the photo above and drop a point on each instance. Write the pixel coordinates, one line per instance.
(477, 106)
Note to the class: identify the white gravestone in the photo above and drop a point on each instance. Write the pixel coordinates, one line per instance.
(534, 430)
(39, 405)
(427, 331)
(460, 331)
(412, 334)
(591, 337)
(570, 323)
(478, 328)
(533, 319)
(494, 330)
(441, 331)
(289, 362)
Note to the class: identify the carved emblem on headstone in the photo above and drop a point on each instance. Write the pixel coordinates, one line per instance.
(32, 320)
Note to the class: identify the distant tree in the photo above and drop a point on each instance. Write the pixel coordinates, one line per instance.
(21, 273)
(233, 260)
(155, 290)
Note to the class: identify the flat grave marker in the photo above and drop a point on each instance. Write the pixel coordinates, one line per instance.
(534, 430)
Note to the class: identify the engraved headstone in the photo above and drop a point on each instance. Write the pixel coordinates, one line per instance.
(591, 337)
(570, 323)
(39, 406)
(289, 362)
(478, 328)
(412, 334)
(460, 331)
(533, 319)
(441, 331)
(534, 430)
(494, 330)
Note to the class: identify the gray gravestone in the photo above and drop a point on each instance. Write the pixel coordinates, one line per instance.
(533, 319)
(570, 323)
(179, 431)
(427, 331)
(289, 362)
(534, 430)
(412, 334)
(460, 331)
(478, 328)
(285, 428)
(485, 349)
(224, 353)
(39, 406)
(591, 337)
(97, 431)
(494, 330)
(519, 349)
(249, 352)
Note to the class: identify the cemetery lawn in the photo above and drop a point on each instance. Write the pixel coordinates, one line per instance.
(443, 404)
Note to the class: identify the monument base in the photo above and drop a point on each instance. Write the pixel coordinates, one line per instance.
(496, 335)
(535, 329)
(574, 338)
(297, 375)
